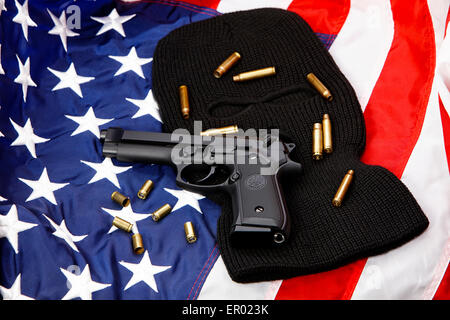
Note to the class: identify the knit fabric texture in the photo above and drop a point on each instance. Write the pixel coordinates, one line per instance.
(378, 212)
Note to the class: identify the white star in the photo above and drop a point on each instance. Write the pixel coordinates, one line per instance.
(185, 198)
(15, 292)
(10, 226)
(43, 187)
(82, 285)
(127, 214)
(62, 232)
(143, 271)
(26, 137)
(2, 199)
(23, 17)
(2, 6)
(70, 79)
(147, 105)
(60, 29)
(131, 62)
(112, 22)
(107, 170)
(24, 77)
(88, 122)
(1, 67)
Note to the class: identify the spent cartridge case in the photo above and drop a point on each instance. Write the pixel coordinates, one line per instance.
(138, 243)
(218, 131)
(191, 237)
(184, 101)
(317, 139)
(327, 137)
(343, 188)
(255, 74)
(227, 64)
(120, 198)
(145, 189)
(319, 86)
(161, 212)
(122, 224)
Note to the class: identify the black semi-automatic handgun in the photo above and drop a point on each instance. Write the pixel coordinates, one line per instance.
(249, 169)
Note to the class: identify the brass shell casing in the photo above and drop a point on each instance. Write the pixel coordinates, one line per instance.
(345, 184)
(317, 141)
(327, 137)
(138, 243)
(319, 86)
(218, 131)
(255, 74)
(145, 189)
(184, 101)
(122, 224)
(120, 198)
(190, 232)
(161, 212)
(227, 64)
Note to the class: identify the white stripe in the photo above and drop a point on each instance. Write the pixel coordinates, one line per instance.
(414, 270)
(237, 5)
(218, 286)
(362, 45)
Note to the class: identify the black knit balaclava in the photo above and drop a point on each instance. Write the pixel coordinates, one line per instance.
(378, 213)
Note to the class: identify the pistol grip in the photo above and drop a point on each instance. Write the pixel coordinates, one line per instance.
(259, 210)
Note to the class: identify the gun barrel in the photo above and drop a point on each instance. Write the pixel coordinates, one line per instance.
(133, 152)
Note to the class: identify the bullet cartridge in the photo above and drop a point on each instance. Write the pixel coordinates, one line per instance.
(120, 199)
(345, 184)
(184, 101)
(138, 243)
(161, 212)
(145, 189)
(327, 138)
(218, 131)
(255, 74)
(190, 232)
(122, 224)
(227, 64)
(317, 147)
(319, 86)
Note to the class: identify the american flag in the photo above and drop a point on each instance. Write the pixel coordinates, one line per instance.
(71, 68)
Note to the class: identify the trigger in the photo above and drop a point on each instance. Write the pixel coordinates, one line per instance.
(211, 173)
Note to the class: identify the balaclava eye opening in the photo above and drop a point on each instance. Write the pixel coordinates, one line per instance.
(378, 213)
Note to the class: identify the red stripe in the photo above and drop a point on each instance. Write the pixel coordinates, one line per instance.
(446, 128)
(443, 292)
(326, 16)
(446, 22)
(203, 3)
(394, 118)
